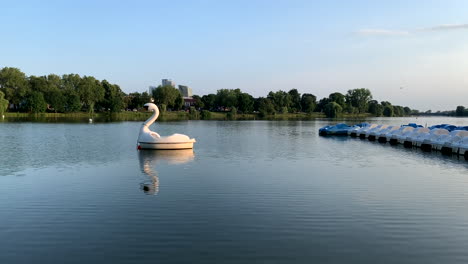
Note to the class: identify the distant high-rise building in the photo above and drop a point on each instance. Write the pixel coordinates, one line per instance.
(151, 88)
(168, 82)
(185, 91)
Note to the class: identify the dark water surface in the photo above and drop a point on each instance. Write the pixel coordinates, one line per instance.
(251, 191)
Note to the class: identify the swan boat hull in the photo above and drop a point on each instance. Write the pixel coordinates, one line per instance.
(166, 146)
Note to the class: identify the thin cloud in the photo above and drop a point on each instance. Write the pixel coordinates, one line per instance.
(382, 32)
(387, 32)
(446, 27)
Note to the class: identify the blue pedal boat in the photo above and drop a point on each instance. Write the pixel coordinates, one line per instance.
(340, 129)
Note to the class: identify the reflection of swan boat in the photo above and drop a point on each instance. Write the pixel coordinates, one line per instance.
(152, 140)
(149, 159)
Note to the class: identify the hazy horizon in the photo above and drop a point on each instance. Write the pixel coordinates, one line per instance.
(409, 53)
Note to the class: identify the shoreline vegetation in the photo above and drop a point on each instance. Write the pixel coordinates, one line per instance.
(168, 116)
(75, 96)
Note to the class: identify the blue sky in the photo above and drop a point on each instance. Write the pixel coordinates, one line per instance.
(258, 46)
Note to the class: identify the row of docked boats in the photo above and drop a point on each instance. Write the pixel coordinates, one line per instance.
(445, 138)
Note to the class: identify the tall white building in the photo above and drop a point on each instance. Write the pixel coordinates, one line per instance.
(185, 91)
(168, 82)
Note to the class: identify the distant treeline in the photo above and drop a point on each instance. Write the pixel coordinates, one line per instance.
(74, 93)
(461, 111)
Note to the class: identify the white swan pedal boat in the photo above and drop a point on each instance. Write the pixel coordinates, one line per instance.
(151, 140)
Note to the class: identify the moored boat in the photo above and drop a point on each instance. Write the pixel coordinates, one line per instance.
(372, 133)
(382, 135)
(340, 129)
(412, 135)
(437, 135)
(463, 147)
(451, 145)
(353, 132)
(362, 132)
(397, 136)
(409, 140)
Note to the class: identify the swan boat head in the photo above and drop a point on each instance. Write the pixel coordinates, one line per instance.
(151, 107)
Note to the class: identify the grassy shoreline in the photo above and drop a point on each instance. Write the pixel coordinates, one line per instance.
(169, 116)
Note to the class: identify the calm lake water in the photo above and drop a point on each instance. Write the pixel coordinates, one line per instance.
(250, 191)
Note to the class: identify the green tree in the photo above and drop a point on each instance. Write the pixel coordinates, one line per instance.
(134, 100)
(227, 97)
(72, 101)
(280, 99)
(90, 91)
(385, 103)
(322, 103)
(245, 102)
(71, 82)
(57, 100)
(198, 101)
(359, 98)
(14, 84)
(388, 111)
(332, 109)
(209, 101)
(50, 88)
(178, 103)
(3, 103)
(295, 96)
(398, 111)
(38, 84)
(308, 102)
(145, 98)
(54, 94)
(45, 84)
(70, 86)
(265, 107)
(460, 111)
(407, 110)
(375, 108)
(55, 82)
(113, 97)
(35, 102)
(169, 96)
(338, 98)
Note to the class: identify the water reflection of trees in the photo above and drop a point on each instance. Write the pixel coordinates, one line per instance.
(150, 158)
